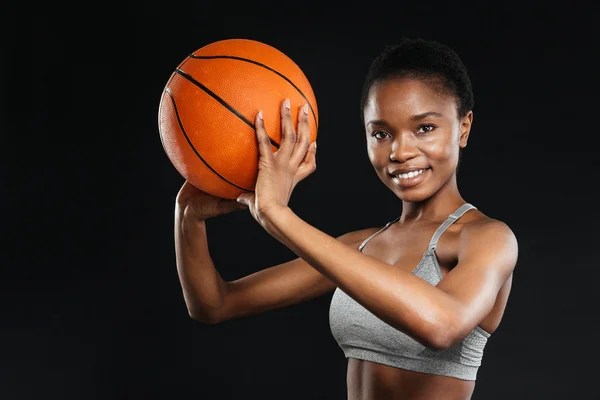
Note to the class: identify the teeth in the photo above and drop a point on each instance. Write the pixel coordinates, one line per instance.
(410, 174)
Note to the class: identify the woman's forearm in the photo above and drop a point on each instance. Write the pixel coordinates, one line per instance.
(203, 288)
(399, 298)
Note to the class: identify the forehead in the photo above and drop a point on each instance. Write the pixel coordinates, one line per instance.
(406, 97)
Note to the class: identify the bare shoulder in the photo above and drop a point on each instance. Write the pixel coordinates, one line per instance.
(482, 224)
(489, 235)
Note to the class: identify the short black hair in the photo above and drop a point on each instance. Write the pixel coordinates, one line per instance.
(419, 58)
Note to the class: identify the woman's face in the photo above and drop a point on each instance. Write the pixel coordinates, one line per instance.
(411, 126)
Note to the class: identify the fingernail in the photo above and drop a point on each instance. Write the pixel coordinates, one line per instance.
(315, 144)
(260, 115)
(286, 103)
(305, 108)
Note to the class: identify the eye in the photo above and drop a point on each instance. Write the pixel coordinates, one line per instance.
(376, 133)
(425, 128)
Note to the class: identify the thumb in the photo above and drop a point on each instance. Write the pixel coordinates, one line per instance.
(243, 199)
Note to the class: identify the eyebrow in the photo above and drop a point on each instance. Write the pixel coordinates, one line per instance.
(419, 117)
(416, 117)
(377, 122)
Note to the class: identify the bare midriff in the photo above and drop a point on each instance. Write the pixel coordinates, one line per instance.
(372, 381)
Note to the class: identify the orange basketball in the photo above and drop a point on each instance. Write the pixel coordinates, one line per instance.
(207, 110)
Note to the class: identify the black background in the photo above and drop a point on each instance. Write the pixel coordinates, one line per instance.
(91, 303)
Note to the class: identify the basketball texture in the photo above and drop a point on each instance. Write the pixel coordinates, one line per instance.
(207, 110)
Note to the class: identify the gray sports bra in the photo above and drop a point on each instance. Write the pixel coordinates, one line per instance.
(362, 335)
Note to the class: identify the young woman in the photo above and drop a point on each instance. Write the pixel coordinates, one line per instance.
(414, 301)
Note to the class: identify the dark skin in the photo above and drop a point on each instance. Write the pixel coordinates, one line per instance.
(408, 123)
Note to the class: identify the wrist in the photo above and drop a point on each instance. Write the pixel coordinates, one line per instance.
(186, 216)
(275, 218)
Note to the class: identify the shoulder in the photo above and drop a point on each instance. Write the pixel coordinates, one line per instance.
(488, 235)
(484, 225)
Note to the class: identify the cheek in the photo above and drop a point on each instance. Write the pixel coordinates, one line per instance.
(377, 156)
(371, 154)
(440, 150)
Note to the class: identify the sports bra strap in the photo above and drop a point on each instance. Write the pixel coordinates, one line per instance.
(433, 243)
(449, 221)
(364, 243)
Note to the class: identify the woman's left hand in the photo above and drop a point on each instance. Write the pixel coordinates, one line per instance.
(280, 171)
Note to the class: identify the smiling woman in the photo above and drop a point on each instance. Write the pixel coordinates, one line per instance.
(412, 127)
(414, 309)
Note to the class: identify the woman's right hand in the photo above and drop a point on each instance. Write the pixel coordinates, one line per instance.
(194, 203)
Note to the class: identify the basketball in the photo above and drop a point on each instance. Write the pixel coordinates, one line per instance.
(207, 110)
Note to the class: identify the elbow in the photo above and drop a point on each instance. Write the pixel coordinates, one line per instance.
(439, 340)
(203, 317)
(443, 335)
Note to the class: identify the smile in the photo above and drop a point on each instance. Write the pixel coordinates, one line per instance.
(410, 179)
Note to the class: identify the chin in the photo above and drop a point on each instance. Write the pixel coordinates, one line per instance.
(411, 196)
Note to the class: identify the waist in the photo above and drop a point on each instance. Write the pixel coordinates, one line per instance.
(435, 366)
(370, 380)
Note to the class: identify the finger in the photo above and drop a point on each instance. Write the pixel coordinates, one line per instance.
(248, 200)
(303, 140)
(245, 199)
(288, 134)
(309, 163)
(264, 142)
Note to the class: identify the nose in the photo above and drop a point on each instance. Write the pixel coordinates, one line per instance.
(403, 148)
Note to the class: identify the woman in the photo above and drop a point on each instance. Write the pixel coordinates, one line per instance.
(416, 300)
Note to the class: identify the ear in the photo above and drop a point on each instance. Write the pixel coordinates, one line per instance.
(465, 129)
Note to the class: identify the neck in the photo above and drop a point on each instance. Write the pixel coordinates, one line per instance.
(436, 207)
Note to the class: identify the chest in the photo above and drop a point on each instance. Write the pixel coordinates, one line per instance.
(403, 246)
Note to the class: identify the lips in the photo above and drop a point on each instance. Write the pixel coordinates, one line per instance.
(413, 180)
(406, 170)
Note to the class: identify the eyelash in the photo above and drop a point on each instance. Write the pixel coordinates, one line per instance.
(419, 128)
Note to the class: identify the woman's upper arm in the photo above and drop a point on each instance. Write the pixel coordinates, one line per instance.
(488, 252)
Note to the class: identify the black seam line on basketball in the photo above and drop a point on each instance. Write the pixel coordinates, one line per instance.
(270, 69)
(193, 148)
(223, 102)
